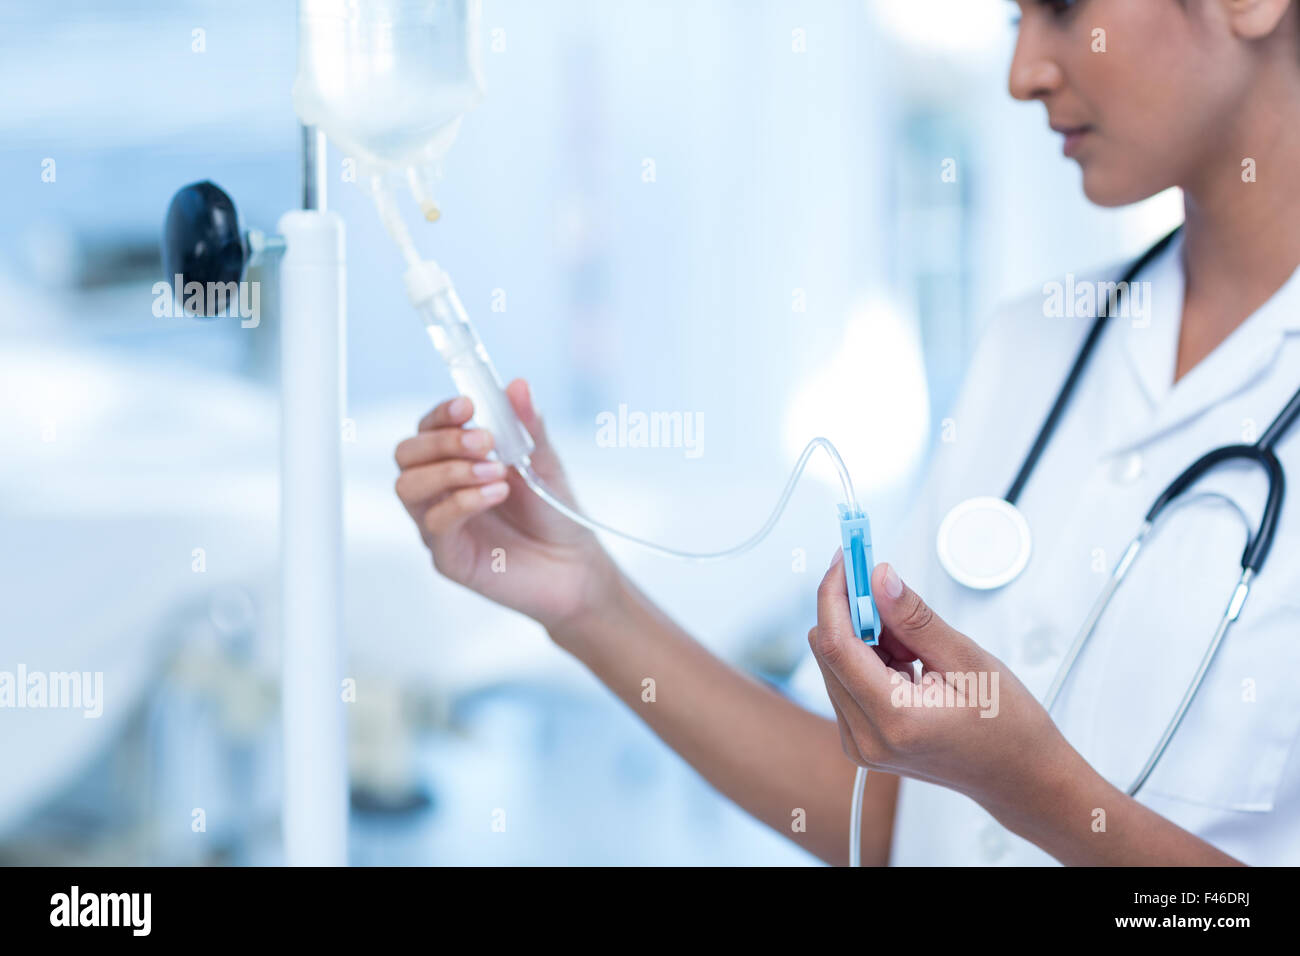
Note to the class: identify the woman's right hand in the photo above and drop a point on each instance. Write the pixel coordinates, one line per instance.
(484, 527)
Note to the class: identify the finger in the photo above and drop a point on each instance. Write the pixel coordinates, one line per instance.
(894, 653)
(946, 684)
(912, 623)
(521, 400)
(856, 665)
(857, 735)
(453, 412)
(424, 483)
(459, 506)
(844, 700)
(835, 694)
(902, 668)
(430, 446)
(871, 732)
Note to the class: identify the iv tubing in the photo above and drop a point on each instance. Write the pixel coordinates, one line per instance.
(392, 221)
(423, 195)
(850, 500)
(396, 228)
(846, 486)
(855, 818)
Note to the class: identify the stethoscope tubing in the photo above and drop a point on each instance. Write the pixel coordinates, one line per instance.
(1261, 542)
(1235, 604)
(1258, 545)
(1071, 382)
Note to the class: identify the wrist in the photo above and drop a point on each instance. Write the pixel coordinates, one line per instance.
(1055, 807)
(603, 593)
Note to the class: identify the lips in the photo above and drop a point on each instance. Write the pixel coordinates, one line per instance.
(1074, 136)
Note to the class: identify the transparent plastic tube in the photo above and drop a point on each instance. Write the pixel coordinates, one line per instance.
(423, 194)
(855, 817)
(392, 220)
(846, 486)
(850, 500)
(454, 337)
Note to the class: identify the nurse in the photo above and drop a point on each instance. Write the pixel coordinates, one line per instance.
(1191, 93)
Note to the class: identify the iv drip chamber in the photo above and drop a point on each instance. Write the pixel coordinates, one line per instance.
(453, 335)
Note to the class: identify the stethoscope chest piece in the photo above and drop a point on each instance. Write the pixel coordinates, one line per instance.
(984, 543)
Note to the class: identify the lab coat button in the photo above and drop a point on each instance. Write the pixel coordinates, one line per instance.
(992, 842)
(1127, 469)
(1038, 647)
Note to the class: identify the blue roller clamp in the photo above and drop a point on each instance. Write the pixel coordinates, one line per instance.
(855, 531)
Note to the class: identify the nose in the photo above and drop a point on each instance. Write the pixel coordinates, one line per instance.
(1034, 73)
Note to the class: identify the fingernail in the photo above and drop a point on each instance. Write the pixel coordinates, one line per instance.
(495, 491)
(475, 440)
(835, 556)
(459, 407)
(488, 469)
(893, 583)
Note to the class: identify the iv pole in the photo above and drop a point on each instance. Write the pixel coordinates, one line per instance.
(203, 244)
(312, 350)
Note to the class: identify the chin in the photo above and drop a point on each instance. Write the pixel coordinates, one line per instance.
(1110, 188)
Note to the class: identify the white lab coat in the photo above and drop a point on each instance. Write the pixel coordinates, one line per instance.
(1231, 774)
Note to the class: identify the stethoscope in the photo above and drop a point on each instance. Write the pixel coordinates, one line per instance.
(984, 543)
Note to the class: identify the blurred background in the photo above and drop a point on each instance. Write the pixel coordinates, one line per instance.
(782, 217)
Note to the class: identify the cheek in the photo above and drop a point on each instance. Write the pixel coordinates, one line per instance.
(1157, 115)
(1162, 94)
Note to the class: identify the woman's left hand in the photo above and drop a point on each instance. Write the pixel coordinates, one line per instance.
(967, 723)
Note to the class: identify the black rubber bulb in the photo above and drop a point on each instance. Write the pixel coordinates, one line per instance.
(201, 237)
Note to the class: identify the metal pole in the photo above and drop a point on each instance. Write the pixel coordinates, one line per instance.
(314, 194)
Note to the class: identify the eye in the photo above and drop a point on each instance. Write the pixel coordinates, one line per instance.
(1058, 8)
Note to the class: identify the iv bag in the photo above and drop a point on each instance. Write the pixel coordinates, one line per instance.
(388, 80)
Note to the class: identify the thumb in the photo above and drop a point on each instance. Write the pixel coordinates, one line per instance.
(545, 461)
(911, 622)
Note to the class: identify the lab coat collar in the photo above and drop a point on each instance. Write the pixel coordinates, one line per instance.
(1152, 351)
(1151, 344)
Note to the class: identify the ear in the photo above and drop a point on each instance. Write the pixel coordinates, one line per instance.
(1258, 19)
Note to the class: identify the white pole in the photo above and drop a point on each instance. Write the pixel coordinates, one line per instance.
(315, 805)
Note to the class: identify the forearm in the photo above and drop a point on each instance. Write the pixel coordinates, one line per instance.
(764, 752)
(1082, 820)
